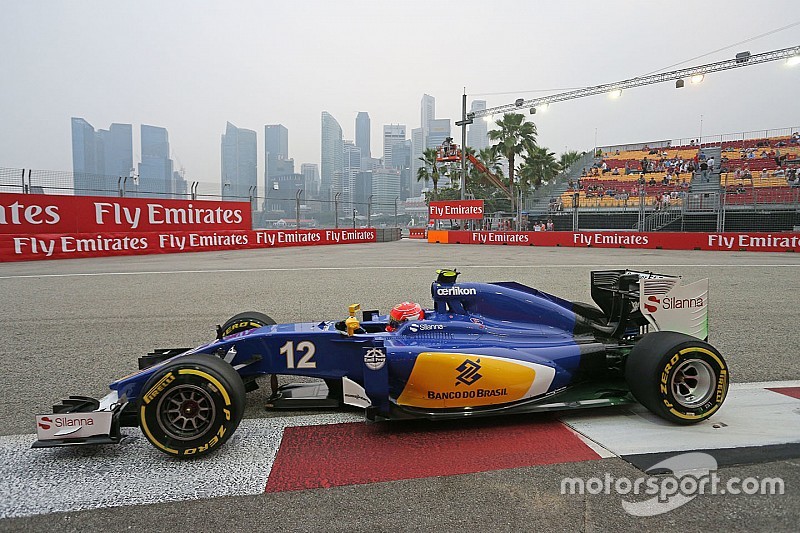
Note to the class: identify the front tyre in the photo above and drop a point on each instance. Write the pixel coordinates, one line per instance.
(677, 377)
(243, 322)
(192, 406)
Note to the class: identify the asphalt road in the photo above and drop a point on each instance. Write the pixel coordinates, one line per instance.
(73, 326)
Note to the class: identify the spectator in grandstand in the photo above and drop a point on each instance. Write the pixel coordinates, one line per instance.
(583, 172)
(737, 174)
(652, 181)
(704, 170)
(711, 164)
(644, 163)
(779, 173)
(691, 143)
(795, 138)
(665, 180)
(746, 174)
(550, 225)
(537, 226)
(702, 156)
(764, 174)
(603, 168)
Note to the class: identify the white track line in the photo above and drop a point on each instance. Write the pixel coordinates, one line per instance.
(428, 267)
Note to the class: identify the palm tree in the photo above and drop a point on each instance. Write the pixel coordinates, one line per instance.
(539, 165)
(567, 159)
(430, 171)
(513, 137)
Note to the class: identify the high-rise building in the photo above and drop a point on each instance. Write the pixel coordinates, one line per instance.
(100, 158)
(477, 136)
(352, 166)
(401, 158)
(417, 149)
(310, 172)
(427, 111)
(392, 134)
(363, 133)
(332, 150)
(155, 170)
(239, 163)
(276, 151)
(117, 150)
(385, 187)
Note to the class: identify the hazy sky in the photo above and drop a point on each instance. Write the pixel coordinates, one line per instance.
(190, 66)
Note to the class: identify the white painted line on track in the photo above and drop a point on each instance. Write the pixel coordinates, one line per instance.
(750, 416)
(595, 266)
(134, 473)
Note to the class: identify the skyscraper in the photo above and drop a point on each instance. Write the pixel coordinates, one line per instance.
(310, 172)
(385, 187)
(477, 136)
(276, 151)
(363, 133)
(100, 158)
(427, 111)
(155, 170)
(352, 166)
(392, 134)
(239, 160)
(332, 149)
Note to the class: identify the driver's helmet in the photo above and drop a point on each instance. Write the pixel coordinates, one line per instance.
(402, 312)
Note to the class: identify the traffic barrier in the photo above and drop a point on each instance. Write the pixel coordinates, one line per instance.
(417, 233)
(724, 241)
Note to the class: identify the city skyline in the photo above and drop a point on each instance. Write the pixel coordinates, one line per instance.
(172, 78)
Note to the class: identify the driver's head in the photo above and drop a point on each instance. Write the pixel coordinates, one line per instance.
(402, 312)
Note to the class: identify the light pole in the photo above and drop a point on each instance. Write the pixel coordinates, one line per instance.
(354, 218)
(336, 208)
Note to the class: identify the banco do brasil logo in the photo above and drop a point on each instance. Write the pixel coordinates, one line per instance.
(468, 372)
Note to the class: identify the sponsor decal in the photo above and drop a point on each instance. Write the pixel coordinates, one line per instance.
(447, 380)
(159, 387)
(468, 372)
(73, 425)
(375, 358)
(456, 291)
(672, 303)
(415, 327)
(456, 209)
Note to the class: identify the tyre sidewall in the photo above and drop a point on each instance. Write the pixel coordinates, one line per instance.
(224, 390)
(243, 322)
(652, 365)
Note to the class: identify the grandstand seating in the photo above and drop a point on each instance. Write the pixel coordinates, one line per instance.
(772, 189)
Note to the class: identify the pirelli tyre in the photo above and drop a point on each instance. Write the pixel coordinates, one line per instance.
(678, 377)
(191, 406)
(243, 322)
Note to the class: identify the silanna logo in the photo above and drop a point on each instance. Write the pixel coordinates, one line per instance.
(672, 303)
(468, 372)
(43, 423)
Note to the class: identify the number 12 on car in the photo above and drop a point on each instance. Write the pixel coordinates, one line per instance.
(305, 350)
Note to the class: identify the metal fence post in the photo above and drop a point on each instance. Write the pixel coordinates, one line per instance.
(369, 211)
(336, 208)
(297, 206)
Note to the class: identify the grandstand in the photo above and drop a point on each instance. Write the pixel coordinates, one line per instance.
(660, 186)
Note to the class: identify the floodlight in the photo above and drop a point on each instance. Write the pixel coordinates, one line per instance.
(615, 93)
(794, 60)
(696, 78)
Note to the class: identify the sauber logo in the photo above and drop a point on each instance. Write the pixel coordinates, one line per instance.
(45, 422)
(669, 302)
(468, 372)
(455, 291)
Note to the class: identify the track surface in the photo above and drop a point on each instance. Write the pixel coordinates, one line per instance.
(73, 326)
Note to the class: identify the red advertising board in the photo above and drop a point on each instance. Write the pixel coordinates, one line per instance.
(746, 241)
(28, 214)
(77, 245)
(455, 209)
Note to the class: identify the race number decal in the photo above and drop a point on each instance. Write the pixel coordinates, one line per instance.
(305, 349)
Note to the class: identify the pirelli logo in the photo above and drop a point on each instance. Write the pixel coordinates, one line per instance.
(158, 387)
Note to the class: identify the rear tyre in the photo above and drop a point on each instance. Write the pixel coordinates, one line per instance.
(191, 406)
(243, 322)
(677, 377)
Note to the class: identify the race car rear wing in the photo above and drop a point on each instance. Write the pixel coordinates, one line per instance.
(648, 301)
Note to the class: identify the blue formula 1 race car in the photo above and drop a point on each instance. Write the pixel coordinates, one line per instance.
(483, 349)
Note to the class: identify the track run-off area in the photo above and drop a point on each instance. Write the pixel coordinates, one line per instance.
(73, 326)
